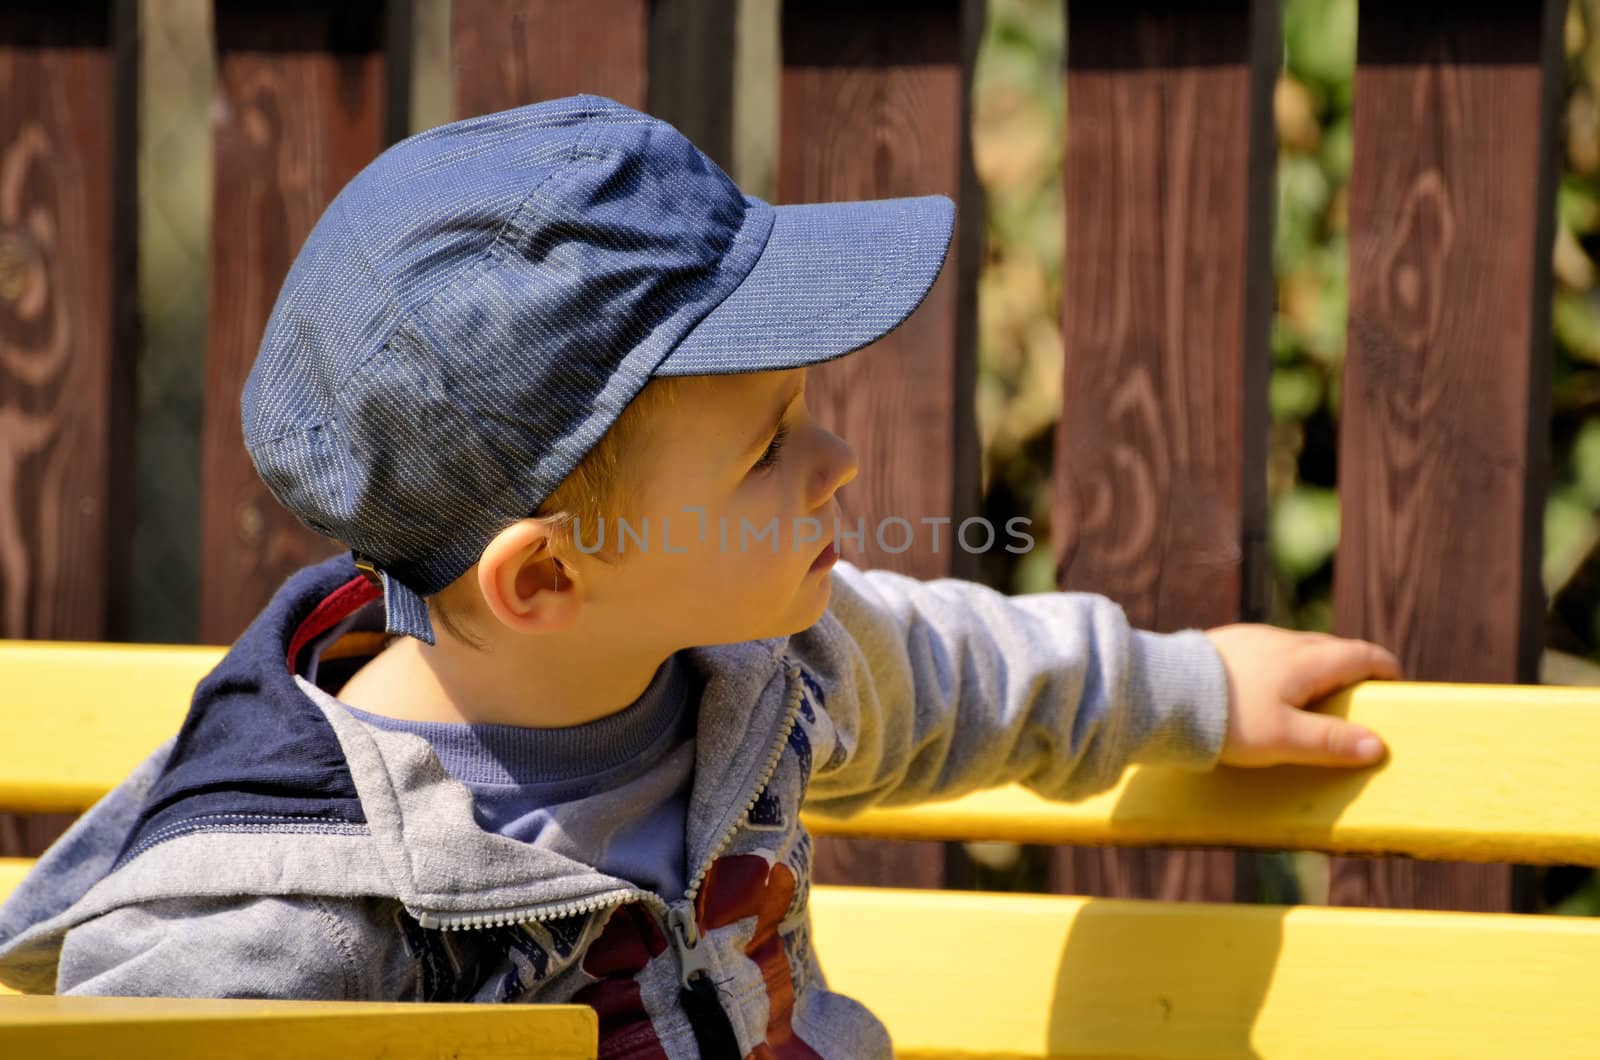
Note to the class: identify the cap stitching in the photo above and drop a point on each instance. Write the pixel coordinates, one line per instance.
(514, 470)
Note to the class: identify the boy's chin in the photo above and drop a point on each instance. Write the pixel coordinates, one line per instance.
(818, 591)
(802, 617)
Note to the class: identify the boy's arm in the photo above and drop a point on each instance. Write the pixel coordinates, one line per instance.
(936, 688)
(248, 947)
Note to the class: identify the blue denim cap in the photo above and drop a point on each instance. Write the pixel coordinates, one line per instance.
(476, 308)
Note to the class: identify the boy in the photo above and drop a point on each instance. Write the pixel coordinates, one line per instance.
(493, 757)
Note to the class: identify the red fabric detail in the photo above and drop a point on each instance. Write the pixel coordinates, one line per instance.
(745, 886)
(630, 939)
(335, 607)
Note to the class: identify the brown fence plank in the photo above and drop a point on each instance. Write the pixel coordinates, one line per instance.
(510, 52)
(66, 313)
(67, 330)
(1444, 430)
(670, 58)
(692, 45)
(300, 109)
(874, 104)
(1166, 303)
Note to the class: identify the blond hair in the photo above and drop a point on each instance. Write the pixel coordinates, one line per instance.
(608, 481)
(600, 489)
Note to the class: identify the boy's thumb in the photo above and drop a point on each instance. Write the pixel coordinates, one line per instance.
(1323, 740)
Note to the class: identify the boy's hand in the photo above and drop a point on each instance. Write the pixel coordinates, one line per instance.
(1273, 674)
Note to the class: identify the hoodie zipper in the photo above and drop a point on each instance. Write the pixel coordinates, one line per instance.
(712, 1028)
(795, 689)
(547, 911)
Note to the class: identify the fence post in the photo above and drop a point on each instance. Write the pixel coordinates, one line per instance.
(68, 330)
(1166, 309)
(673, 59)
(509, 52)
(301, 108)
(875, 103)
(1444, 431)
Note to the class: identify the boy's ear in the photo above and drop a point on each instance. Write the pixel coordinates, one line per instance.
(523, 584)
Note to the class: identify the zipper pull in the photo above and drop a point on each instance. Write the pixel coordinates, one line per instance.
(713, 1030)
(686, 941)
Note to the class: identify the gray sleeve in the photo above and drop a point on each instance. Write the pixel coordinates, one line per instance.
(250, 947)
(936, 688)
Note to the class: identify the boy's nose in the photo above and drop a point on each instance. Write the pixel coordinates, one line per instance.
(839, 466)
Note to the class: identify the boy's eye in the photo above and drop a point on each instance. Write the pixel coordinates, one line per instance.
(770, 457)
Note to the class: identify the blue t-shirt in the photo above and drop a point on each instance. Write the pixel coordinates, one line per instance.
(611, 793)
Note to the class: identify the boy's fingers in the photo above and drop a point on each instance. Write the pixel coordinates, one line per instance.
(1323, 740)
(1329, 666)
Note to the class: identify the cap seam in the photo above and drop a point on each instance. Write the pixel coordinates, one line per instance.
(486, 257)
(419, 323)
(515, 472)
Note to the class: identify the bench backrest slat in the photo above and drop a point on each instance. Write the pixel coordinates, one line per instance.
(1476, 772)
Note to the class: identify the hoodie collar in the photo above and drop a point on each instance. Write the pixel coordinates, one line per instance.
(258, 754)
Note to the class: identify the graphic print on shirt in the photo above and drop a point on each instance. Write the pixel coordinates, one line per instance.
(815, 692)
(565, 932)
(748, 885)
(502, 964)
(736, 888)
(767, 813)
(529, 962)
(799, 861)
(631, 939)
(441, 975)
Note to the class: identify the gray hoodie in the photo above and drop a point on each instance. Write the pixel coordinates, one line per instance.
(278, 847)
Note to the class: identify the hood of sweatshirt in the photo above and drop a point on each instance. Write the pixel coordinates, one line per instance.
(274, 795)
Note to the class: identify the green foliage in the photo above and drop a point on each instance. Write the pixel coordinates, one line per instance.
(1303, 194)
(1020, 117)
(1320, 47)
(1583, 902)
(1304, 530)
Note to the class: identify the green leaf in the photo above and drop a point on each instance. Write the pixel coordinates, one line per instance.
(1578, 204)
(1035, 572)
(1327, 339)
(1304, 529)
(1285, 343)
(1321, 39)
(1577, 325)
(1294, 392)
(1302, 198)
(1586, 463)
(1569, 530)
(1338, 148)
(1585, 901)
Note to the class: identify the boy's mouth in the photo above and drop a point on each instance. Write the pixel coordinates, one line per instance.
(825, 558)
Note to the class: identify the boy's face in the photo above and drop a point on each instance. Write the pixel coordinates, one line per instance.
(738, 484)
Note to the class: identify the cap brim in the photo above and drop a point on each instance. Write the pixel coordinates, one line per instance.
(832, 278)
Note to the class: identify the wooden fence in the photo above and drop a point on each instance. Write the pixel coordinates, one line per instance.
(1160, 453)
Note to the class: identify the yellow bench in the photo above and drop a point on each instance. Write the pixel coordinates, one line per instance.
(1475, 772)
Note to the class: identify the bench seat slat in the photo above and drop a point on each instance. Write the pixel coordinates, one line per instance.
(1047, 975)
(269, 1030)
(964, 975)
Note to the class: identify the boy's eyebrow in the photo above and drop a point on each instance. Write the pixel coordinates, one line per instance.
(761, 439)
